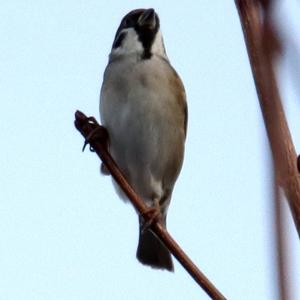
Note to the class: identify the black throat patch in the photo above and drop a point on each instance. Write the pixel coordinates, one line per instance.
(147, 37)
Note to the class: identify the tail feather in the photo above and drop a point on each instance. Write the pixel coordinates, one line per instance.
(152, 252)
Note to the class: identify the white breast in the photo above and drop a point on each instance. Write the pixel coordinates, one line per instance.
(145, 123)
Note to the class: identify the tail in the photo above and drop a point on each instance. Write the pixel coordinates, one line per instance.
(152, 252)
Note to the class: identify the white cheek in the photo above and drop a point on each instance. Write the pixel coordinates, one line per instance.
(158, 45)
(130, 43)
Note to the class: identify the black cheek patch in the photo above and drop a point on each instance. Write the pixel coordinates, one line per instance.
(119, 40)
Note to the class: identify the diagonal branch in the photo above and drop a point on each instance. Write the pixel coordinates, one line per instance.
(281, 244)
(96, 136)
(258, 37)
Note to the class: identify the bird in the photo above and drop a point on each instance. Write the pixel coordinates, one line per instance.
(143, 107)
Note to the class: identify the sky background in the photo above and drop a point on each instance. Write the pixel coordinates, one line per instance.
(64, 233)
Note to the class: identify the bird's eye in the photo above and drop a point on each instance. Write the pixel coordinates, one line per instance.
(127, 23)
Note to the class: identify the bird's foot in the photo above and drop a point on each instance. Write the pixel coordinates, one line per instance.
(151, 215)
(98, 133)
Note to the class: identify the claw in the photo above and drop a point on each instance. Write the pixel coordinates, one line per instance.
(98, 132)
(95, 133)
(153, 215)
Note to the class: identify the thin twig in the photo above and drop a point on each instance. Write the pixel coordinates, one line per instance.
(258, 37)
(282, 271)
(85, 126)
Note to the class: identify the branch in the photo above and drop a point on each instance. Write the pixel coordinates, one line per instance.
(281, 244)
(259, 36)
(96, 136)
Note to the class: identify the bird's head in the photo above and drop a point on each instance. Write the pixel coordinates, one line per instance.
(139, 33)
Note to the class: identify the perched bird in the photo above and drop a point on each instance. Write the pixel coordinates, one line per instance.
(143, 107)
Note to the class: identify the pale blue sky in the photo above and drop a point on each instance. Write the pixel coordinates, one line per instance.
(64, 232)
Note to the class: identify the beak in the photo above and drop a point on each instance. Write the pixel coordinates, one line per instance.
(147, 19)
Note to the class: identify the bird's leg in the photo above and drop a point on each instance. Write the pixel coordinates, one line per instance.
(151, 215)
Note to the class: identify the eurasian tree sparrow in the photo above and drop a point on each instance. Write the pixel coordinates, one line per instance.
(143, 107)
